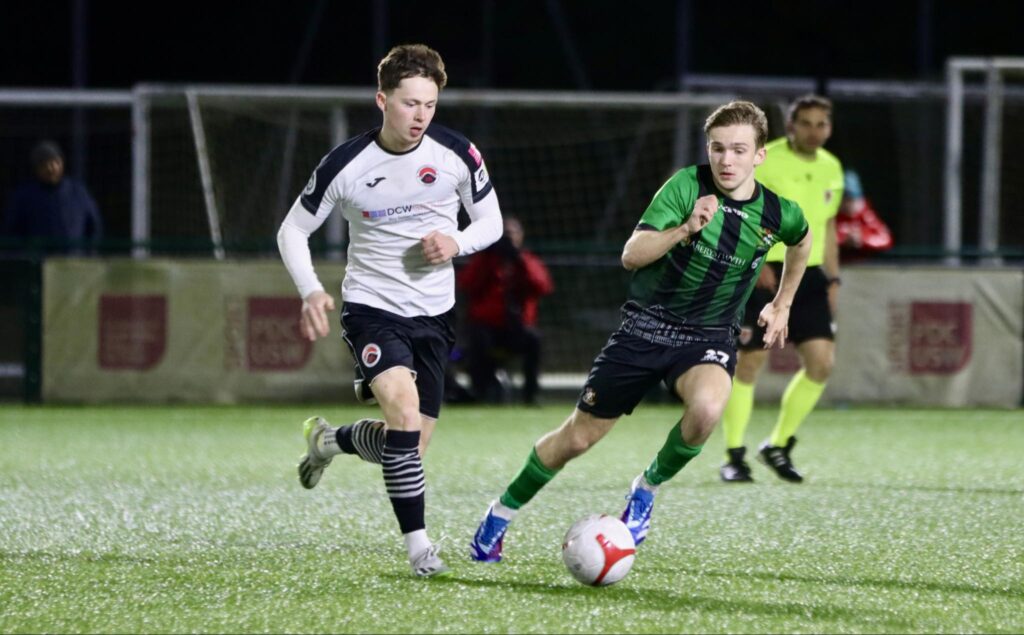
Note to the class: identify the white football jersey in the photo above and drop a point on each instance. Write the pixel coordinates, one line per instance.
(391, 201)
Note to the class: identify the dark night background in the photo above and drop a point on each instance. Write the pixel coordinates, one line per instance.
(530, 44)
(540, 44)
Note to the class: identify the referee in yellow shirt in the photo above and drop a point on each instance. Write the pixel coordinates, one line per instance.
(800, 169)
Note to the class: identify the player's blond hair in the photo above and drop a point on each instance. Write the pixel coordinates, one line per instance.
(736, 113)
(410, 60)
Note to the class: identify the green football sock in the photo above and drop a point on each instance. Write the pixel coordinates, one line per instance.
(528, 482)
(737, 413)
(672, 457)
(798, 401)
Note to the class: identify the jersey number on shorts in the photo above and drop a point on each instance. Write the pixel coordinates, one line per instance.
(711, 355)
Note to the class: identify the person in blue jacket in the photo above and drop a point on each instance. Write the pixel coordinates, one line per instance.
(52, 213)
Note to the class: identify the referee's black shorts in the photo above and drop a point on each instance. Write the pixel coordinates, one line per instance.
(809, 318)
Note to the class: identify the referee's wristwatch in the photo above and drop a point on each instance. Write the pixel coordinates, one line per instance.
(835, 280)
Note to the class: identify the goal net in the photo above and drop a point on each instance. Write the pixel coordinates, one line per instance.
(577, 171)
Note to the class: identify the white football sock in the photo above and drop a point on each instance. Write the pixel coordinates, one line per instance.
(641, 482)
(502, 511)
(416, 542)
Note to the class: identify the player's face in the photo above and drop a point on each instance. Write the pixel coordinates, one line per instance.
(733, 154)
(810, 130)
(407, 110)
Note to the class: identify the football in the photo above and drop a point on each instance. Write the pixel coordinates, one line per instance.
(598, 550)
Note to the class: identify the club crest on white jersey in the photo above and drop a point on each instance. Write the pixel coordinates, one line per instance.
(427, 175)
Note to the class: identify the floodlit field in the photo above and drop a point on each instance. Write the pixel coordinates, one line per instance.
(188, 519)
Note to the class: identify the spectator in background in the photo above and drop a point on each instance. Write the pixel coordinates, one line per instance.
(503, 285)
(53, 211)
(859, 230)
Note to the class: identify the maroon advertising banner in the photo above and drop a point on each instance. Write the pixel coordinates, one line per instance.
(166, 330)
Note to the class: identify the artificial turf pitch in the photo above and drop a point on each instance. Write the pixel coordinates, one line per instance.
(191, 519)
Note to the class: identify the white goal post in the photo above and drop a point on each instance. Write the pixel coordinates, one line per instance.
(995, 71)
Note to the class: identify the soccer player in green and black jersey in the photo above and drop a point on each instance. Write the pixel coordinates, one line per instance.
(695, 254)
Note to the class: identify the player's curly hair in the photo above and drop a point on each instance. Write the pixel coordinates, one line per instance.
(740, 112)
(410, 60)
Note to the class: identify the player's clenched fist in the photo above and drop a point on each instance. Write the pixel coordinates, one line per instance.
(703, 210)
(439, 248)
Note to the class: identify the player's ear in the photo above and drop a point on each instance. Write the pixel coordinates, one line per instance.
(760, 155)
(382, 101)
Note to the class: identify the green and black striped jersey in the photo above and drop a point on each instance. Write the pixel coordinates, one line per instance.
(706, 281)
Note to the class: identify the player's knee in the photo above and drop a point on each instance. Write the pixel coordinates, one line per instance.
(581, 439)
(819, 369)
(704, 416)
(747, 375)
(711, 414)
(406, 418)
(580, 433)
(749, 365)
(577, 443)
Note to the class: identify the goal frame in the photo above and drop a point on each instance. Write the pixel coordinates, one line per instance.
(995, 70)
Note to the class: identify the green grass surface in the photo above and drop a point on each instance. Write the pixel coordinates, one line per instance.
(189, 519)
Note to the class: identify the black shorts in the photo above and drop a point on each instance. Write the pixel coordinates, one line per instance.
(380, 340)
(637, 356)
(809, 318)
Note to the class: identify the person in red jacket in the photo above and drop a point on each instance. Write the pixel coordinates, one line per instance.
(859, 230)
(503, 285)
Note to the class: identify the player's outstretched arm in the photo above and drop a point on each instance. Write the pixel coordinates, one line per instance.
(775, 315)
(644, 246)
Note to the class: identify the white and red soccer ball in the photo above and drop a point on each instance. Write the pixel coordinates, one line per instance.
(598, 550)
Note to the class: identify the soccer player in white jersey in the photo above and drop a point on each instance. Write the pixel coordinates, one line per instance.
(399, 187)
